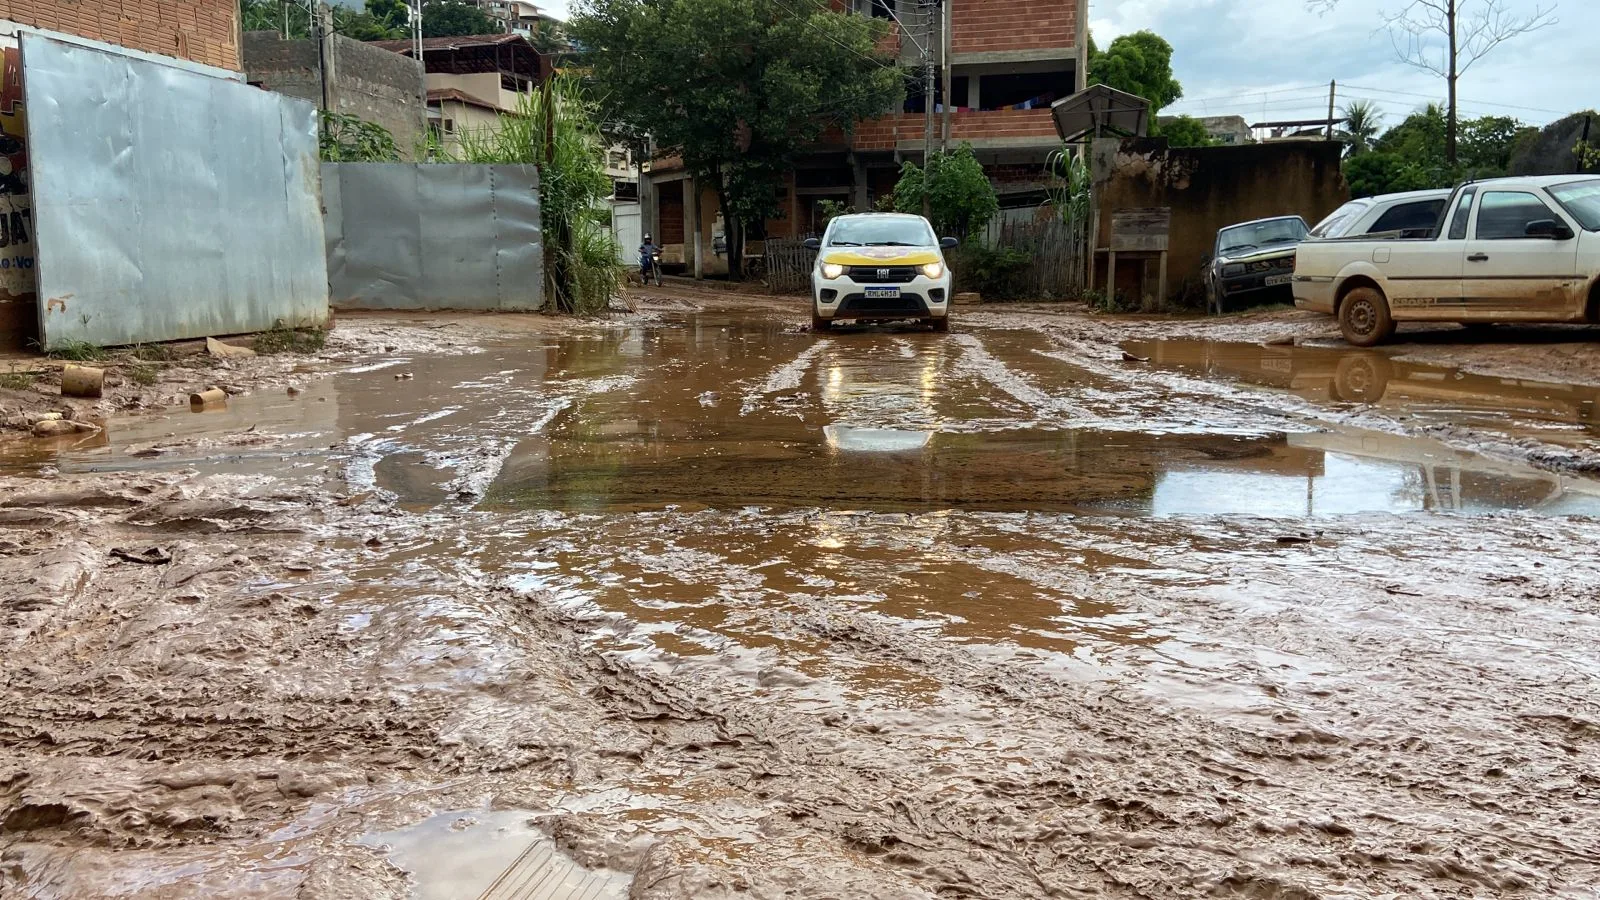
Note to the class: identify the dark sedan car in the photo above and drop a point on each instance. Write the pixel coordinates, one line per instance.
(1253, 257)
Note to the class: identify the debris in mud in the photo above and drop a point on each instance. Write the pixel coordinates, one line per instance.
(82, 381)
(227, 351)
(1298, 538)
(209, 397)
(58, 427)
(1129, 357)
(153, 556)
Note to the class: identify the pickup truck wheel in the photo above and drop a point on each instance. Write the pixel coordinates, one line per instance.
(941, 326)
(1364, 317)
(819, 324)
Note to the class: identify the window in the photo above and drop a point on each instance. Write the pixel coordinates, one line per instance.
(449, 126)
(1505, 215)
(878, 9)
(881, 231)
(1255, 235)
(1582, 200)
(1458, 221)
(1340, 219)
(1419, 216)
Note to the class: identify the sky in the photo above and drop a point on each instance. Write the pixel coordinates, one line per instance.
(1273, 59)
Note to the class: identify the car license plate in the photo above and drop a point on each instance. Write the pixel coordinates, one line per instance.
(883, 293)
(1275, 280)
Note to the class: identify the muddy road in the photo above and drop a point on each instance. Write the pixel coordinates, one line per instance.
(699, 604)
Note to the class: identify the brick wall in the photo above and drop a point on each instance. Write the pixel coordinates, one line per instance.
(884, 133)
(987, 26)
(204, 31)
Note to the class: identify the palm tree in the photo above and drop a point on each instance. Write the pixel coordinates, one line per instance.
(1363, 121)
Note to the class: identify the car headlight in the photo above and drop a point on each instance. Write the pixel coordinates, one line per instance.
(831, 271)
(1230, 271)
(933, 270)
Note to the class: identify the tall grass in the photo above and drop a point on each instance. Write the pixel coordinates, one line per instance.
(557, 129)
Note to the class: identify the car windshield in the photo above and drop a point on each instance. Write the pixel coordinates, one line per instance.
(1260, 234)
(881, 231)
(1340, 220)
(1582, 200)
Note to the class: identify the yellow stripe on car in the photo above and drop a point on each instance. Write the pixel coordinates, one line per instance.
(856, 258)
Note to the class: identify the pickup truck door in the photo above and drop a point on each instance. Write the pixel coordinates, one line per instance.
(1512, 276)
(1425, 275)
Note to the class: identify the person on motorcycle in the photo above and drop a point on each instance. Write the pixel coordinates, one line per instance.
(648, 265)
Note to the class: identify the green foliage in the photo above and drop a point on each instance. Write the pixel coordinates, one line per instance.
(1138, 63)
(1183, 131)
(1413, 155)
(283, 339)
(1070, 187)
(1587, 153)
(961, 201)
(456, 18)
(16, 381)
(143, 374)
(737, 88)
(582, 273)
(1362, 121)
(77, 351)
(997, 273)
(151, 352)
(833, 209)
(347, 138)
(382, 19)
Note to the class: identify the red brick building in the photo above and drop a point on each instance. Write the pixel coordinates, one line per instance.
(202, 31)
(1008, 60)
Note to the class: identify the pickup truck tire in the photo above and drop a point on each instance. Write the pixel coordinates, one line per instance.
(1364, 318)
(1361, 378)
(819, 324)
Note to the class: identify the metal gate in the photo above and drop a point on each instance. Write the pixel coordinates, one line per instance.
(167, 204)
(433, 236)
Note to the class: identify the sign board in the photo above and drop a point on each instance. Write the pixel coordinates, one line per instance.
(1142, 230)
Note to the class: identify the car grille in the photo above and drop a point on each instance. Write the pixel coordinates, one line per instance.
(1271, 265)
(908, 304)
(883, 274)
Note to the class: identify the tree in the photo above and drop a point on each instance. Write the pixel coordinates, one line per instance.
(381, 21)
(363, 26)
(736, 88)
(1138, 63)
(961, 199)
(1362, 121)
(457, 18)
(1445, 37)
(1183, 131)
(394, 15)
(1412, 156)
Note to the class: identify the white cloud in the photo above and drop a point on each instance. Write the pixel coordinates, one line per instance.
(1273, 59)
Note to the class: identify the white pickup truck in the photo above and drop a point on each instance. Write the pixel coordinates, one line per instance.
(1505, 250)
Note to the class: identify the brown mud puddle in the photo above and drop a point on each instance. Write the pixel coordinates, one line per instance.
(728, 412)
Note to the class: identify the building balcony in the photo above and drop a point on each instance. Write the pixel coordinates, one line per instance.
(986, 129)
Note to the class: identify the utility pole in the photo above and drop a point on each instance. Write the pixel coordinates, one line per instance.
(945, 49)
(927, 103)
(1333, 88)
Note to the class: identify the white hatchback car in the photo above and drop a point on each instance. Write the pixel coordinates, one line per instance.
(876, 267)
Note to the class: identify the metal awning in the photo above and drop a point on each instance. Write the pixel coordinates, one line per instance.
(1099, 110)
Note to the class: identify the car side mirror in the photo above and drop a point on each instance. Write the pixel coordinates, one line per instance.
(813, 244)
(949, 243)
(1548, 228)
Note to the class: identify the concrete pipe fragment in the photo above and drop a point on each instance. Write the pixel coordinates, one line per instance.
(82, 381)
(209, 397)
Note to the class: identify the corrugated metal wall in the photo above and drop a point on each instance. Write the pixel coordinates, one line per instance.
(426, 236)
(168, 204)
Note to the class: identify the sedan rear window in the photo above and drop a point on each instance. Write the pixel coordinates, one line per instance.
(887, 231)
(1340, 220)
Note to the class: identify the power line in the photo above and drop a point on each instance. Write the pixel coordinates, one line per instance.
(1459, 100)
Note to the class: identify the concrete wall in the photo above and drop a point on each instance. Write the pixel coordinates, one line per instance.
(365, 81)
(1209, 188)
(203, 31)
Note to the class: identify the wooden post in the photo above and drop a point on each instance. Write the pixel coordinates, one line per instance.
(1111, 277)
(1161, 298)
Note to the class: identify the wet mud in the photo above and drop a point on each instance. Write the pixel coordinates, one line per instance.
(709, 607)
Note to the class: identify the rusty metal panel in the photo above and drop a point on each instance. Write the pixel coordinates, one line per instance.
(433, 236)
(168, 204)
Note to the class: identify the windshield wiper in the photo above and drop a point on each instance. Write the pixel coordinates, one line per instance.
(1282, 240)
(843, 244)
(890, 244)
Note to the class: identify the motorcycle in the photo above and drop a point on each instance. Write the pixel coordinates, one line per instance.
(651, 265)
